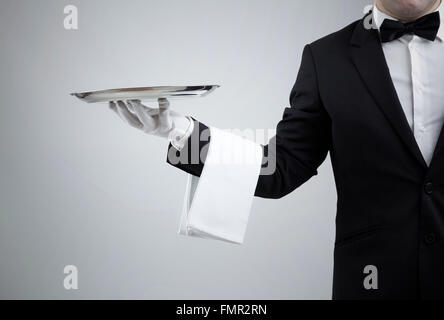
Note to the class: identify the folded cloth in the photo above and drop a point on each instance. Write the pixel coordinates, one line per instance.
(217, 205)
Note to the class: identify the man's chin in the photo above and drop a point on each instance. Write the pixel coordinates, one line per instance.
(409, 10)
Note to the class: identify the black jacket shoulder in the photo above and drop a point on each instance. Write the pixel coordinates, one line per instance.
(336, 40)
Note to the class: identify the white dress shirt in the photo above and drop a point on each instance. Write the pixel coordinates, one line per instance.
(417, 70)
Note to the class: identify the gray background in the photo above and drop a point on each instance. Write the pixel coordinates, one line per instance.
(80, 187)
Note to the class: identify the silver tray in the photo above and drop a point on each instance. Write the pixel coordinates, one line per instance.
(146, 93)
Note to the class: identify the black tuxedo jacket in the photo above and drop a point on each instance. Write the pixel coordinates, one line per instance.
(390, 208)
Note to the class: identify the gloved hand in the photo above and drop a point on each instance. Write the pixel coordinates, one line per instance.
(161, 122)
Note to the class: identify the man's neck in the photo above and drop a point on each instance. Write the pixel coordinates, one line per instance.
(433, 8)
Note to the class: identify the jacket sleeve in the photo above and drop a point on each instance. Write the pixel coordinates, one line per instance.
(292, 157)
(192, 157)
(303, 137)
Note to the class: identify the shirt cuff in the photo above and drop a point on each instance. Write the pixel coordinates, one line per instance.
(179, 137)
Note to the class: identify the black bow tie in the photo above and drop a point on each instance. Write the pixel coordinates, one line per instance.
(425, 27)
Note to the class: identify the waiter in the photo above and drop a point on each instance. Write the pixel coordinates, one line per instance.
(371, 94)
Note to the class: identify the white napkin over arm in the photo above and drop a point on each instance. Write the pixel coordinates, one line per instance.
(217, 205)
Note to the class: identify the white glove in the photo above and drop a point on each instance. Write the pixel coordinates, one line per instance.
(161, 122)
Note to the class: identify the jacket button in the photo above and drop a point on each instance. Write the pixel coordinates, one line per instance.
(430, 238)
(428, 188)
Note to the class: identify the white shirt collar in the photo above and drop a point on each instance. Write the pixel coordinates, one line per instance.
(379, 18)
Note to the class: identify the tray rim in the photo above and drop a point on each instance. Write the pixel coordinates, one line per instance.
(85, 94)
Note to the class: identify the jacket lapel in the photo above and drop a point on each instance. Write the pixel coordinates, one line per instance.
(369, 59)
(438, 148)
